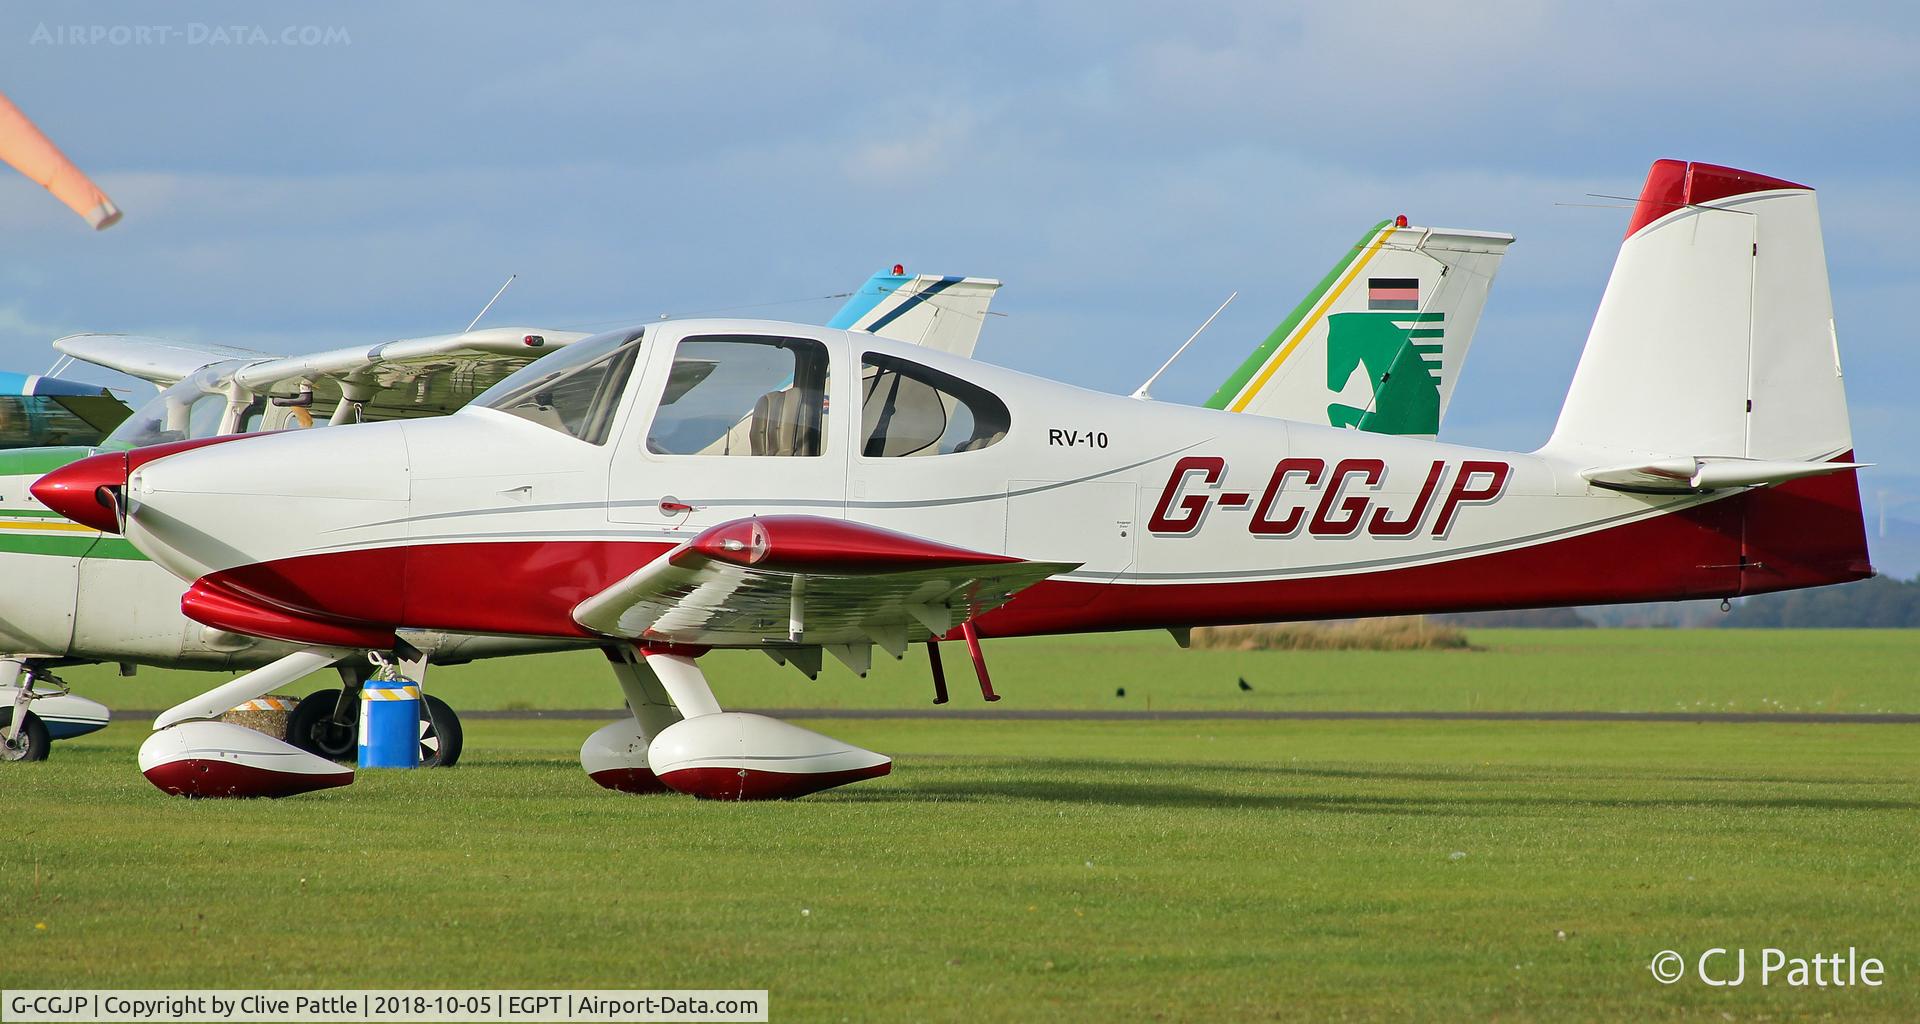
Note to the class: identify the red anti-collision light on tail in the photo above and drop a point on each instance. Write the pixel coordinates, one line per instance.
(898, 269)
(1400, 221)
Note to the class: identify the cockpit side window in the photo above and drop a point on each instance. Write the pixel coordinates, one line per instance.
(743, 395)
(575, 390)
(909, 409)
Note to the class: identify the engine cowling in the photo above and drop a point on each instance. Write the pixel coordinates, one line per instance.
(220, 759)
(734, 755)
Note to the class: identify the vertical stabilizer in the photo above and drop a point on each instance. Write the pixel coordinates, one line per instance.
(1714, 351)
(1379, 344)
(944, 313)
(1715, 337)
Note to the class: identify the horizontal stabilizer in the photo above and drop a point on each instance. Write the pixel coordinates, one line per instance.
(1681, 476)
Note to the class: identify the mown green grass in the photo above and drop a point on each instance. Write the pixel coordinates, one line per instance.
(1024, 870)
(1515, 670)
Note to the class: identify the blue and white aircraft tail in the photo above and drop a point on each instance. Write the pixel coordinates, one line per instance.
(928, 310)
(38, 411)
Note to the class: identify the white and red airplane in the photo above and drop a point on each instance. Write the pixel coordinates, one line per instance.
(701, 484)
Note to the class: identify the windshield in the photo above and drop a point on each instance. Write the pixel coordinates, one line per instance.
(190, 409)
(574, 390)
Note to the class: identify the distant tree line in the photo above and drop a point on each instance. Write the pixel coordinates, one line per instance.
(1519, 618)
(1878, 603)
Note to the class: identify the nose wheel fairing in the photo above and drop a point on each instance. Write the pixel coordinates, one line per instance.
(615, 756)
(191, 753)
(219, 759)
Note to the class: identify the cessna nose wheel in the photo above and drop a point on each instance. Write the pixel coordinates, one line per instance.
(29, 743)
(315, 727)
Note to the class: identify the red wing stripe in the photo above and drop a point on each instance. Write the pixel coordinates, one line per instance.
(817, 545)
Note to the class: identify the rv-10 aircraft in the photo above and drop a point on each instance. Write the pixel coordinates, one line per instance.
(797, 490)
(1400, 298)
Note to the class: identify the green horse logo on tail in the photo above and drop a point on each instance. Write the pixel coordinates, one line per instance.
(1401, 353)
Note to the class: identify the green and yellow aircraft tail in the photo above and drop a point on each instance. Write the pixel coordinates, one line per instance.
(1379, 342)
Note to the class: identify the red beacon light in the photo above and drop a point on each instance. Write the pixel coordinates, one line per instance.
(1400, 221)
(899, 269)
(533, 341)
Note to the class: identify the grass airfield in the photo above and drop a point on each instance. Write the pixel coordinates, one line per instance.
(1067, 870)
(1865, 670)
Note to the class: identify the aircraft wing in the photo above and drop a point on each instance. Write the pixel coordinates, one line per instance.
(516, 345)
(807, 580)
(429, 376)
(157, 361)
(929, 310)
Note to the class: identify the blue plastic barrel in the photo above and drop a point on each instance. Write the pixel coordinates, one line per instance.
(390, 724)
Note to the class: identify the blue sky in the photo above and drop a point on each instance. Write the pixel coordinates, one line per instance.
(1121, 168)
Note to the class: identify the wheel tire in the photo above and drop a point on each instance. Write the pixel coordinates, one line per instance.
(35, 744)
(311, 728)
(440, 735)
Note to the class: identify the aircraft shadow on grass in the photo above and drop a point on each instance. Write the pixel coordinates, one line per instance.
(1091, 781)
(1051, 781)
(1079, 780)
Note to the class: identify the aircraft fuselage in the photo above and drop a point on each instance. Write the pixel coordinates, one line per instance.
(486, 522)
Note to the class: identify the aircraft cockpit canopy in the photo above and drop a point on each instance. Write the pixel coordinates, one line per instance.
(196, 407)
(746, 394)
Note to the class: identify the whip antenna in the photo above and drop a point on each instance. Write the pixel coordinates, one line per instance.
(1141, 391)
(490, 302)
